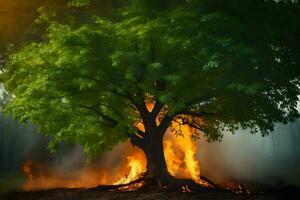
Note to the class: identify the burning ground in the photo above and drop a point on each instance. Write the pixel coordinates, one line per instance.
(125, 163)
(93, 194)
(122, 165)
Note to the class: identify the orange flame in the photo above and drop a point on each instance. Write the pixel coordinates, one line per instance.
(136, 169)
(41, 176)
(180, 157)
(180, 153)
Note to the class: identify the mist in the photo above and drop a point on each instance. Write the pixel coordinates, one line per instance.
(272, 160)
(16, 143)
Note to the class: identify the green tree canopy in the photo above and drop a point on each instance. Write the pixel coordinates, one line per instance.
(203, 63)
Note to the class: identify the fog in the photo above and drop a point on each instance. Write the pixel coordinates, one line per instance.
(273, 160)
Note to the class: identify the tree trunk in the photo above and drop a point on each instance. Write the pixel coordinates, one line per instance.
(150, 141)
(156, 163)
(157, 172)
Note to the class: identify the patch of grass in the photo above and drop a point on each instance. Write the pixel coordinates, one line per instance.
(11, 180)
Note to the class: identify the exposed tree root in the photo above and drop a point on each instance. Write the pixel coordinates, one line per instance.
(116, 187)
(171, 183)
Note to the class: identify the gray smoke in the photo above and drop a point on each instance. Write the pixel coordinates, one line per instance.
(272, 160)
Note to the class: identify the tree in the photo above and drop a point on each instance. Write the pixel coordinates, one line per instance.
(132, 75)
(1, 142)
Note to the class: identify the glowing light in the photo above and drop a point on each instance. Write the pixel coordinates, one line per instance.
(42, 176)
(136, 169)
(180, 153)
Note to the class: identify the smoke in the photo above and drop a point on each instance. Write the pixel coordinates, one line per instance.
(69, 169)
(272, 160)
(16, 143)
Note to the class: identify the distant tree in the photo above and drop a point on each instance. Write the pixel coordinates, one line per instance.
(1, 142)
(211, 65)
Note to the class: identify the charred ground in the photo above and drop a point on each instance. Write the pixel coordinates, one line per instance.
(148, 193)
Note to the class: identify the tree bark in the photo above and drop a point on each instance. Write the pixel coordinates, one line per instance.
(150, 141)
(156, 163)
(156, 171)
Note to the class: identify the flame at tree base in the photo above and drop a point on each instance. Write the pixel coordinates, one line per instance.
(180, 154)
(42, 176)
(136, 168)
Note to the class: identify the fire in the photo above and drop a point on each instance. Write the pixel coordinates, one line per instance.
(136, 169)
(41, 176)
(26, 167)
(180, 153)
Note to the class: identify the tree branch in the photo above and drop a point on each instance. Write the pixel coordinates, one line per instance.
(198, 101)
(157, 108)
(186, 122)
(99, 121)
(136, 141)
(112, 108)
(103, 83)
(142, 133)
(112, 121)
(194, 113)
(164, 124)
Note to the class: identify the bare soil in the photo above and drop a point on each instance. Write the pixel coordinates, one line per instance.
(97, 194)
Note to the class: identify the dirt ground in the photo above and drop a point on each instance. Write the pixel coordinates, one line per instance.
(94, 194)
